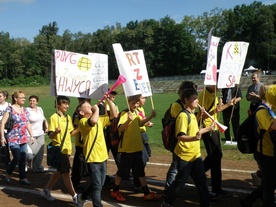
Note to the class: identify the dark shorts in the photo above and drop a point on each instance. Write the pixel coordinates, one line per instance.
(64, 165)
(132, 161)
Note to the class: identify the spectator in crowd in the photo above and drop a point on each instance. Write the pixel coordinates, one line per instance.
(37, 121)
(91, 127)
(187, 152)
(5, 148)
(146, 153)
(18, 137)
(176, 107)
(75, 175)
(131, 147)
(252, 94)
(61, 127)
(212, 142)
(231, 114)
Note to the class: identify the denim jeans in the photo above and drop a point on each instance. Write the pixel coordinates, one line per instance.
(94, 190)
(171, 172)
(19, 157)
(197, 172)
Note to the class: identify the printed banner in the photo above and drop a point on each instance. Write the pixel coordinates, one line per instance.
(79, 75)
(211, 67)
(132, 66)
(232, 62)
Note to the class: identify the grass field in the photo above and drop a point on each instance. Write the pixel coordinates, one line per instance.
(160, 102)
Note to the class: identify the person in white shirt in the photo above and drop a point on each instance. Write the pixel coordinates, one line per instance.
(39, 127)
(5, 148)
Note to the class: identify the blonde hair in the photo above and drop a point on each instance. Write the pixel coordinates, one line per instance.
(16, 95)
(263, 89)
(271, 96)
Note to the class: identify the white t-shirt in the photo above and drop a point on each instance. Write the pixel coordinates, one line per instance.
(3, 109)
(36, 120)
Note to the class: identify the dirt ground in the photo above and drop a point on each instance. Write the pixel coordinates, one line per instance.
(236, 178)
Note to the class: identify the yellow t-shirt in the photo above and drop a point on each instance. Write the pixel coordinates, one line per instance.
(175, 109)
(99, 151)
(141, 113)
(58, 121)
(265, 120)
(188, 151)
(132, 140)
(208, 102)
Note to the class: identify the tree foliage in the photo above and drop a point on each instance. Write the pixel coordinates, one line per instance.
(170, 48)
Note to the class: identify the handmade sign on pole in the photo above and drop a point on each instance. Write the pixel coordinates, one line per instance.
(132, 66)
(211, 67)
(232, 62)
(79, 75)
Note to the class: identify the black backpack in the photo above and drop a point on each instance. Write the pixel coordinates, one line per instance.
(168, 131)
(248, 136)
(167, 116)
(113, 130)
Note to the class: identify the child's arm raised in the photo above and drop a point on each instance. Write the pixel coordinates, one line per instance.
(113, 110)
(143, 121)
(95, 115)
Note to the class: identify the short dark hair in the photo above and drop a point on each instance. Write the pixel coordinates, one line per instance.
(62, 99)
(113, 93)
(185, 85)
(134, 98)
(187, 93)
(35, 97)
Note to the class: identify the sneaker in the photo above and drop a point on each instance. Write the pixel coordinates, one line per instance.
(214, 196)
(256, 179)
(47, 194)
(163, 204)
(117, 196)
(151, 196)
(80, 201)
(225, 193)
(24, 182)
(7, 177)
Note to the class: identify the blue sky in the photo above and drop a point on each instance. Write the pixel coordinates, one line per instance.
(24, 18)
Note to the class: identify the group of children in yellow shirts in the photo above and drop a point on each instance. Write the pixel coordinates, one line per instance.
(186, 156)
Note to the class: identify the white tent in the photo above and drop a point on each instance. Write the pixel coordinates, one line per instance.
(251, 68)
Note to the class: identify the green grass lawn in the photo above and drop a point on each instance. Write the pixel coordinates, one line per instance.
(160, 102)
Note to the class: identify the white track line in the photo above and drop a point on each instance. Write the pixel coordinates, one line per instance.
(67, 197)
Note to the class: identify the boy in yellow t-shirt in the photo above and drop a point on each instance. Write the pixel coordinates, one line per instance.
(187, 152)
(75, 175)
(91, 126)
(131, 147)
(58, 123)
